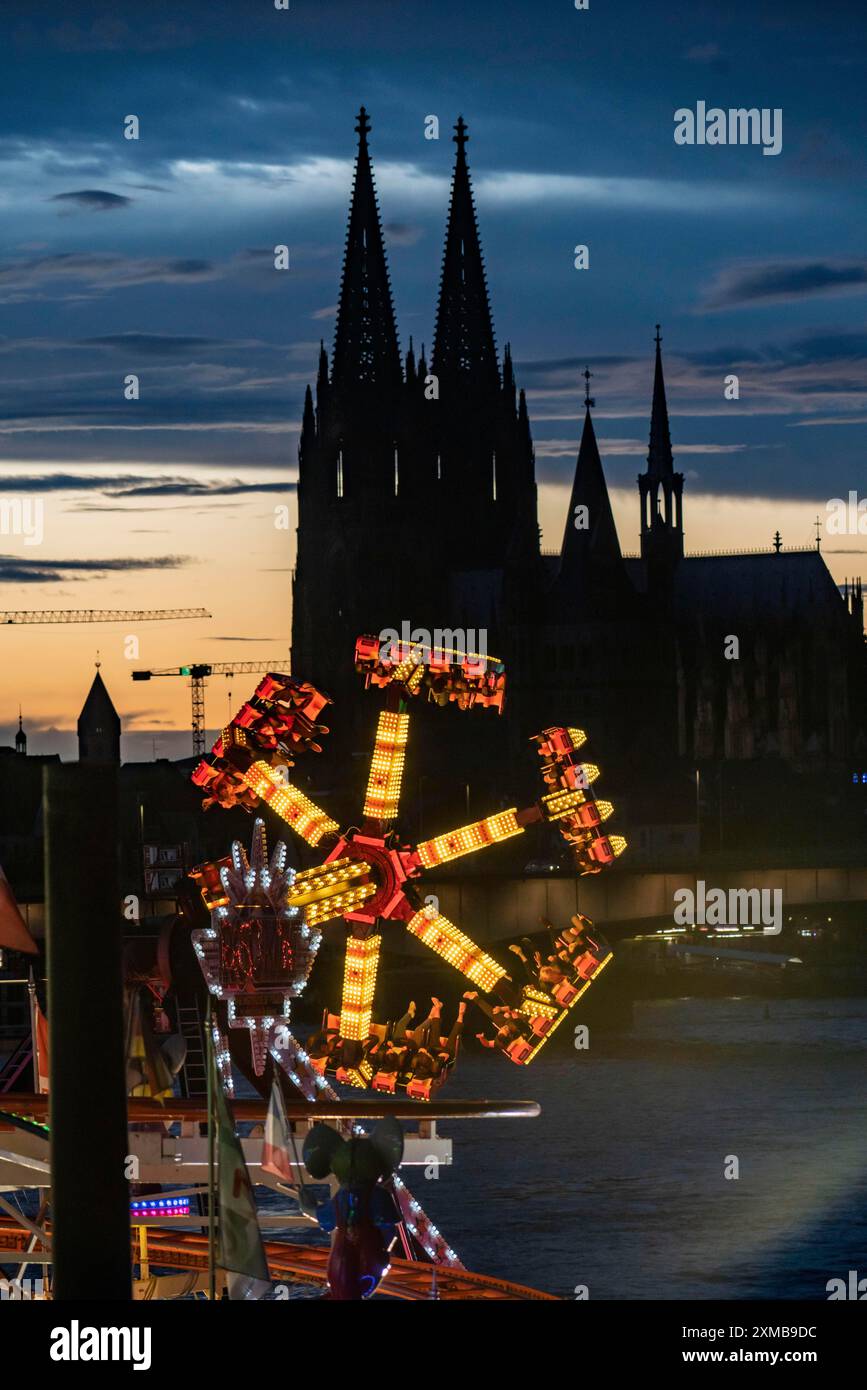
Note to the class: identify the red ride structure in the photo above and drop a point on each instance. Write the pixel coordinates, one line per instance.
(370, 877)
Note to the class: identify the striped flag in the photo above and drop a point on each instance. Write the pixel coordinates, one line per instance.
(275, 1147)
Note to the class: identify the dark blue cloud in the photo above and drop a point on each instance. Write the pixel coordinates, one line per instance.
(15, 569)
(93, 199)
(775, 283)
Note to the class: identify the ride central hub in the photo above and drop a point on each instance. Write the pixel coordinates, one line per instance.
(389, 870)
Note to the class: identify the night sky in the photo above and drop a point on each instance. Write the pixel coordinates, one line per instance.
(155, 257)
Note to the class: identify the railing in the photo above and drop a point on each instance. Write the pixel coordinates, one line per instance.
(704, 554)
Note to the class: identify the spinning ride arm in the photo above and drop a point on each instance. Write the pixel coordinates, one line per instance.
(442, 936)
(300, 813)
(386, 767)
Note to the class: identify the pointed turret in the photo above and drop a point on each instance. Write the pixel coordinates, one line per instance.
(464, 355)
(98, 726)
(660, 461)
(590, 560)
(21, 737)
(322, 382)
(308, 422)
(508, 377)
(366, 354)
(661, 492)
(524, 418)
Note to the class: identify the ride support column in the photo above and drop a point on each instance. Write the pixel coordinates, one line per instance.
(87, 1096)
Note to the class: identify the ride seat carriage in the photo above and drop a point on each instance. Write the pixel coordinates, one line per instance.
(327, 1041)
(544, 1008)
(566, 993)
(587, 964)
(354, 1063)
(520, 1050)
(403, 1077)
(342, 1058)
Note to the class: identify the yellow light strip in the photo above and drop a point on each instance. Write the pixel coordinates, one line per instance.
(359, 982)
(306, 819)
(617, 843)
(577, 736)
(443, 937)
(386, 766)
(564, 800)
(336, 906)
(419, 651)
(405, 668)
(536, 1005)
(325, 881)
(563, 803)
(357, 1076)
(469, 839)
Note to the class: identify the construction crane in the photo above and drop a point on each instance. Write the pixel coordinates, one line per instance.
(99, 615)
(197, 672)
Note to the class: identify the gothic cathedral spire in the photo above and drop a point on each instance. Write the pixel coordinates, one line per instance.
(366, 354)
(465, 354)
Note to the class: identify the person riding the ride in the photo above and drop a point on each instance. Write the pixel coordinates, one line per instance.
(508, 1022)
(431, 1057)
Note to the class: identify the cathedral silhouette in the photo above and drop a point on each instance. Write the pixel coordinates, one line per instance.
(417, 502)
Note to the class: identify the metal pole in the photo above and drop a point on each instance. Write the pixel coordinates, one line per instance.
(209, 1048)
(87, 1093)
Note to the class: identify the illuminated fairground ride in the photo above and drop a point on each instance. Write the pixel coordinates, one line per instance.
(261, 944)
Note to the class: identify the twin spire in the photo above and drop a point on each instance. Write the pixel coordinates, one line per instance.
(465, 354)
(366, 351)
(367, 367)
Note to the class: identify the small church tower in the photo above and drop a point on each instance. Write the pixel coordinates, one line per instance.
(98, 726)
(661, 492)
(21, 737)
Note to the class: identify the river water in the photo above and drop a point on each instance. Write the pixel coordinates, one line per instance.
(620, 1184)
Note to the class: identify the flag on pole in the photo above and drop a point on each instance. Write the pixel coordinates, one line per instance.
(13, 930)
(240, 1240)
(275, 1146)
